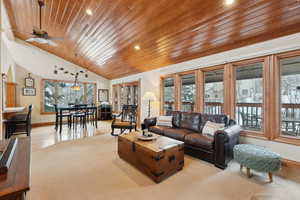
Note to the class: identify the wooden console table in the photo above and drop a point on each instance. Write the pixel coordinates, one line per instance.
(15, 184)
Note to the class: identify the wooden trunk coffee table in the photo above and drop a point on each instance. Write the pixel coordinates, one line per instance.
(158, 159)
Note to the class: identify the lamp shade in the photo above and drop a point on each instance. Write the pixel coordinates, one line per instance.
(149, 96)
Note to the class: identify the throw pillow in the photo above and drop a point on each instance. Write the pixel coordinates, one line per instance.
(210, 128)
(164, 121)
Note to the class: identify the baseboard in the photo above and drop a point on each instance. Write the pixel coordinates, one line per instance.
(290, 163)
(40, 124)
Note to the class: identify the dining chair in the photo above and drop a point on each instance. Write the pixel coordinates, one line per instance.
(19, 124)
(127, 121)
(79, 113)
(62, 115)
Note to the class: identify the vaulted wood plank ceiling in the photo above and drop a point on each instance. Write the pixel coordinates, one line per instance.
(167, 31)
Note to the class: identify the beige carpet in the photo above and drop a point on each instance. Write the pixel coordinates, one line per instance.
(89, 169)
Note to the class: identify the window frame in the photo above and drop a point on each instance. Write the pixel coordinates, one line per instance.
(43, 112)
(162, 78)
(263, 134)
(180, 75)
(201, 84)
(276, 131)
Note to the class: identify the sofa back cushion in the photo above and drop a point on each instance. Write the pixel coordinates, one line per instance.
(191, 121)
(220, 119)
(176, 119)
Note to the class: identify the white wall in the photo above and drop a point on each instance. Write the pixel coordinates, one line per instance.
(24, 58)
(150, 80)
(42, 63)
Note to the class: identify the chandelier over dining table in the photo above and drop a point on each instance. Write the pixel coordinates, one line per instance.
(76, 85)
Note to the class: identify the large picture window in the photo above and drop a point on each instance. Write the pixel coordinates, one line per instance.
(168, 95)
(290, 97)
(249, 96)
(188, 92)
(61, 93)
(214, 92)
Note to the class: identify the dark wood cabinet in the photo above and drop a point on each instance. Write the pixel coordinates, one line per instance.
(105, 112)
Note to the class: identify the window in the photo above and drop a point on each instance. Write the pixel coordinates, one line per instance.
(188, 92)
(214, 92)
(125, 94)
(249, 96)
(290, 96)
(65, 95)
(168, 95)
(115, 98)
(90, 93)
(60, 93)
(49, 96)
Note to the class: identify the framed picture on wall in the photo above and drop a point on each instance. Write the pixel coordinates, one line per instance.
(29, 92)
(29, 82)
(103, 95)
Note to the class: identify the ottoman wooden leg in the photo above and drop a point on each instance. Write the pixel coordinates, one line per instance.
(248, 172)
(271, 177)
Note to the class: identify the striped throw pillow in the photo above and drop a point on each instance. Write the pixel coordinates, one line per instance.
(210, 128)
(164, 121)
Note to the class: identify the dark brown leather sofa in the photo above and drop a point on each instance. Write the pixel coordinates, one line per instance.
(187, 127)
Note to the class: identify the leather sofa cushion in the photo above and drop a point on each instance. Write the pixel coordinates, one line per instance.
(176, 133)
(221, 119)
(190, 121)
(158, 129)
(176, 119)
(199, 140)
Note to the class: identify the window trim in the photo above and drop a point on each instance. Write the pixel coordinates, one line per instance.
(276, 134)
(202, 84)
(180, 75)
(162, 78)
(42, 110)
(263, 134)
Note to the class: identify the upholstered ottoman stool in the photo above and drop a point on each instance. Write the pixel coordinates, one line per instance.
(257, 158)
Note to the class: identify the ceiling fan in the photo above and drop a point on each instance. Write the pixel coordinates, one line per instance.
(39, 35)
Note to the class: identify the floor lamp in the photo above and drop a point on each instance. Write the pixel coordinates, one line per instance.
(149, 96)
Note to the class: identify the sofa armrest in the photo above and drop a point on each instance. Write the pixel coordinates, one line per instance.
(149, 122)
(225, 140)
(229, 133)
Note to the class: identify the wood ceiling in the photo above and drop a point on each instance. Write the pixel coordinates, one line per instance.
(167, 31)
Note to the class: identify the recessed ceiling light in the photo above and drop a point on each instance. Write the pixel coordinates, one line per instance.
(137, 47)
(89, 12)
(229, 2)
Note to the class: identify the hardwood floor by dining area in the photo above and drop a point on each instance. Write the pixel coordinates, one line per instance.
(43, 137)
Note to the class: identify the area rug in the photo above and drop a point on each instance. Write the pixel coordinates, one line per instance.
(90, 169)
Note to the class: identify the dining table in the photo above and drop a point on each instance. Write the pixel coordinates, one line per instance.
(62, 109)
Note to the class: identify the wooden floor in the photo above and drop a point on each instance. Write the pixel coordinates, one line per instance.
(43, 137)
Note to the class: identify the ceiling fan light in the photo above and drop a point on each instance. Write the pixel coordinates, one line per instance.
(75, 87)
(229, 2)
(89, 12)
